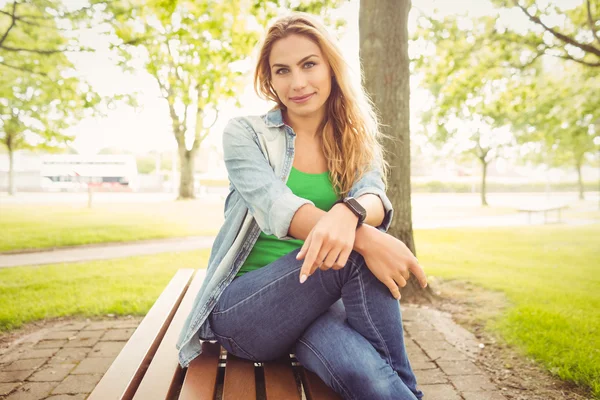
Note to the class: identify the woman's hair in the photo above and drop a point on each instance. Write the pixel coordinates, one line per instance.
(351, 136)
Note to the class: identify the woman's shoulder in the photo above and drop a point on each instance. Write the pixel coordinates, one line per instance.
(258, 123)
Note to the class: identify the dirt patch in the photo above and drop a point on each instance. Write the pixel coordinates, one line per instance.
(519, 377)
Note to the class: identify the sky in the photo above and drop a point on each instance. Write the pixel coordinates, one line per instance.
(148, 128)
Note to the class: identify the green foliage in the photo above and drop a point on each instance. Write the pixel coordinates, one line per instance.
(481, 69)
(40, 93)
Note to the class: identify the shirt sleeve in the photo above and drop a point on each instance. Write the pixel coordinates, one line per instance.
(372, 182)
(267, 197)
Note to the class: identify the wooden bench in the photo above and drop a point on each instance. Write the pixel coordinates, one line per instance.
(545, 210)
(147, 367)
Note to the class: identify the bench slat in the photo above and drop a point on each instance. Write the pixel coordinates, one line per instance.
(315, 388)
(164, 368)
(125, 373)
(280, 383)
(240, 381)
(201, 378)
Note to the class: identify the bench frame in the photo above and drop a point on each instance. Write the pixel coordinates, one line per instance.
(545, 210)
(148, 367)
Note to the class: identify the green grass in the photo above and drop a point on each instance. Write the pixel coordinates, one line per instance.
(25, 227)
(121, 287)
(550, 276)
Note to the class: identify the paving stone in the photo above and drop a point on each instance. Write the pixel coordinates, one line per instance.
(459, 368)
(96, 365)
(60, 334)
(52, 373)
(10, 357)
(472, 383)
(99, 325)
(69, 355)
(439, 392)
(21, 365)
(74, 384)
(446, 355)
(14, 376)
(426, 335)
(82, 342)
(71, 326)
(68, 397)
(418, 355)
(127, 324)
(106, 349)
(6, 388)
(483, 396)
(50, 344)
(32, 391)
(431, 376)
(27, 353)
(421, 365)
(430, 345)
(117, 334)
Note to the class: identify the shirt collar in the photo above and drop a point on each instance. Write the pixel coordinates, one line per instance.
(274, 118)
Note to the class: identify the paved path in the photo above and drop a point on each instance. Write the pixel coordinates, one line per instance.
(102, 252)
(66, 360)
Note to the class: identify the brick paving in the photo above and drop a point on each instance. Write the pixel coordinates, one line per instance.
(66, 360)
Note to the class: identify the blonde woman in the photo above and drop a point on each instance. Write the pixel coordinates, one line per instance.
(302, 263)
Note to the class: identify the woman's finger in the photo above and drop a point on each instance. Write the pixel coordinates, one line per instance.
(311, 255)
(305, 246)
(343, 258)
(393, 288)
(330, 259)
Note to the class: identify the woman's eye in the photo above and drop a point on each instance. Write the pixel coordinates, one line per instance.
(281, 71)
(309, 64)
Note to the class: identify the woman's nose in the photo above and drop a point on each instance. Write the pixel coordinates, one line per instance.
(298, 81)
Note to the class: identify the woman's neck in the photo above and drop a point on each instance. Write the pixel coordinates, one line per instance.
(306, 126)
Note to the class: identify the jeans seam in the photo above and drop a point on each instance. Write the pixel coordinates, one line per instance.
(364, 302)
(252, 295)
(326, 364)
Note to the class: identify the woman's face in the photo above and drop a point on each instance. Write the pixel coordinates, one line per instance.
(300, 75)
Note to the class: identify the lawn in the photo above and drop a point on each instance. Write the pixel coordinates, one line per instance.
(120, 287)
(47, 226)
(550, 275)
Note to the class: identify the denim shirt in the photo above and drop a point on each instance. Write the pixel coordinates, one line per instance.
(258, 153)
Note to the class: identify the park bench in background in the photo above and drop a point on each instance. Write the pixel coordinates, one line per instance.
(147, 368)
(545, 210)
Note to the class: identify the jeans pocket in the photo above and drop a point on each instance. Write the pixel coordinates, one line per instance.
(232, 347)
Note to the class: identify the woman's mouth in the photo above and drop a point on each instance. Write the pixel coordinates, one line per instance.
(301, 99)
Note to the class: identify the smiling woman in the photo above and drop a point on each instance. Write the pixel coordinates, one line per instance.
(302, 263)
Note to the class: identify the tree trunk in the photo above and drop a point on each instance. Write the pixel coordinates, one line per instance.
(484, 166)
(186, 179)
(11, 172)
(384, 57)
(580, 181)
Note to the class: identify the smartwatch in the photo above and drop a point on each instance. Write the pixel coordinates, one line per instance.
(355, 207)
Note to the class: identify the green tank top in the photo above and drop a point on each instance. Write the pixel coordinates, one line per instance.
(268, 248)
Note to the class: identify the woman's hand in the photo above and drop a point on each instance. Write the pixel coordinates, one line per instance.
(329, 243)
(391, 261)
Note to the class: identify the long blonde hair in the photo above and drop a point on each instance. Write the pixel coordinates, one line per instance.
(350, 130)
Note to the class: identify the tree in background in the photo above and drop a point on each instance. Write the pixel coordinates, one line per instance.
(480, 65)
(557, 112)
(383, 27)
(570, 33)
(40, 93)
(197, 51)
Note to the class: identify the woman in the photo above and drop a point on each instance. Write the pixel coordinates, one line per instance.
(294, 268)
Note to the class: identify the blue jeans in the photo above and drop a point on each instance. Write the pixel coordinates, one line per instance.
(355, 347)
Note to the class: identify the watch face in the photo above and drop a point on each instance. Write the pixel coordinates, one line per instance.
(360, 210)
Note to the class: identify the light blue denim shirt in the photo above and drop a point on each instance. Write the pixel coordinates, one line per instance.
(258, 153)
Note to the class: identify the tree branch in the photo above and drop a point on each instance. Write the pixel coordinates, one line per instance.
(23, 69)
(591, 21)
(12, 23)
(585, 47)
(567, 56)
(34, 50)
